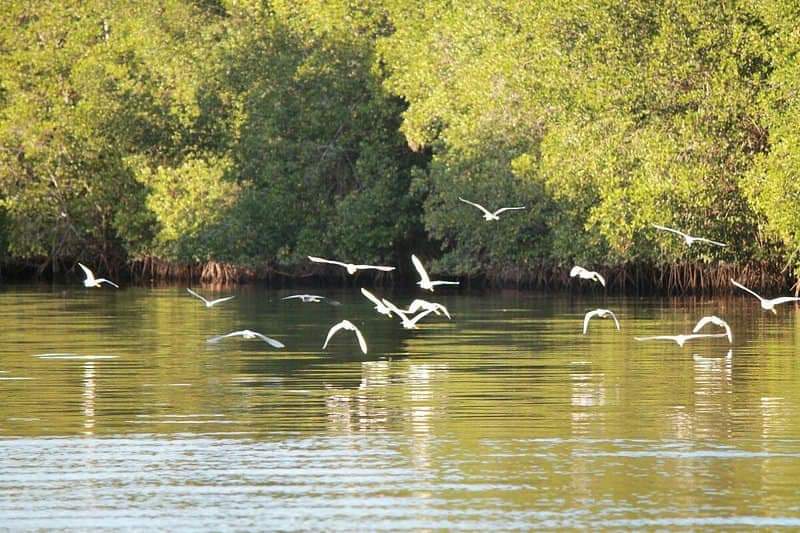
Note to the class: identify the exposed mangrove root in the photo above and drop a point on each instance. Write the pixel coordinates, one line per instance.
(677, 279)
(214, 272)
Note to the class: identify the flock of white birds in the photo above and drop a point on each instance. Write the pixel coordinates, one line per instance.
(409, 317)
(419, 309)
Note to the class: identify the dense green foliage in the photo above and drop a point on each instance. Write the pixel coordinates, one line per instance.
(193, 131)
(605, 117)
(254, 133)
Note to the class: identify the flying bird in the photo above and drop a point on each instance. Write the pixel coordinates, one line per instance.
(408, 323)
(717, 321)
(418, 304)
(680, 339)
(305, 298)
(346, 324)
(688, 238)
(768, 305)
(425, 281)
(210, 303)
(91, 281)
(379, 305)
(488, 215)
(602, 313)
(351, 268)
(247, 334)
(587, 274)
(311, 298)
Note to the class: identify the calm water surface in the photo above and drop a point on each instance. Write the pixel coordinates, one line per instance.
(505, 417)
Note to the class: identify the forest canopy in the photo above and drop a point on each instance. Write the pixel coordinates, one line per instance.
(254, 133)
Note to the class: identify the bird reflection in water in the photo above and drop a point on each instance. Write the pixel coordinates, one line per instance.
(588, 390)
(88, 397)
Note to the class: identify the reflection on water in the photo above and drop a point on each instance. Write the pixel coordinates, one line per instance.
(116, 413)
(88, 397)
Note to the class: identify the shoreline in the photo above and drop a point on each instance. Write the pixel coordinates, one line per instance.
(683, 279)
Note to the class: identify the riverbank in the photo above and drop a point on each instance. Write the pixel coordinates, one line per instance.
(677, 279)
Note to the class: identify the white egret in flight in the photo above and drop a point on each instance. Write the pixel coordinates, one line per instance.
(425, 281)
(91, 281)
(717, 321)
(768, 305)
(488, 215)
(247, 334)
(210, 303)
(688, 238)
(587, 274)
(311, 298)
(351, 268)
(602, 313)
(347, 325)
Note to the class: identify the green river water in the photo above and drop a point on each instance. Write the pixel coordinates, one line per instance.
(504, 417)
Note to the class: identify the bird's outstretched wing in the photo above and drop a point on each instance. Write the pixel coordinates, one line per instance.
(375, 267)
(785, 299)
(664, 228)
(420, 270)
(420, 316)
(220, 300)
(394, 309)
(269, 340)
(717, 321)
(415, 306)
(746, 289)
(435, 283)
(704, 335)
(321, 260)
(437, 308)
(479, 206)
(331, 332)
(658, 338)
(220, 337)
(508, 209)
(104, 280)
(294, 296)
(587, 317)
(362, 342)
(709, 241)
(89, 273)
(603, 313)
(190, 291)
(616, 322)
(707, 320)
(371, 297)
